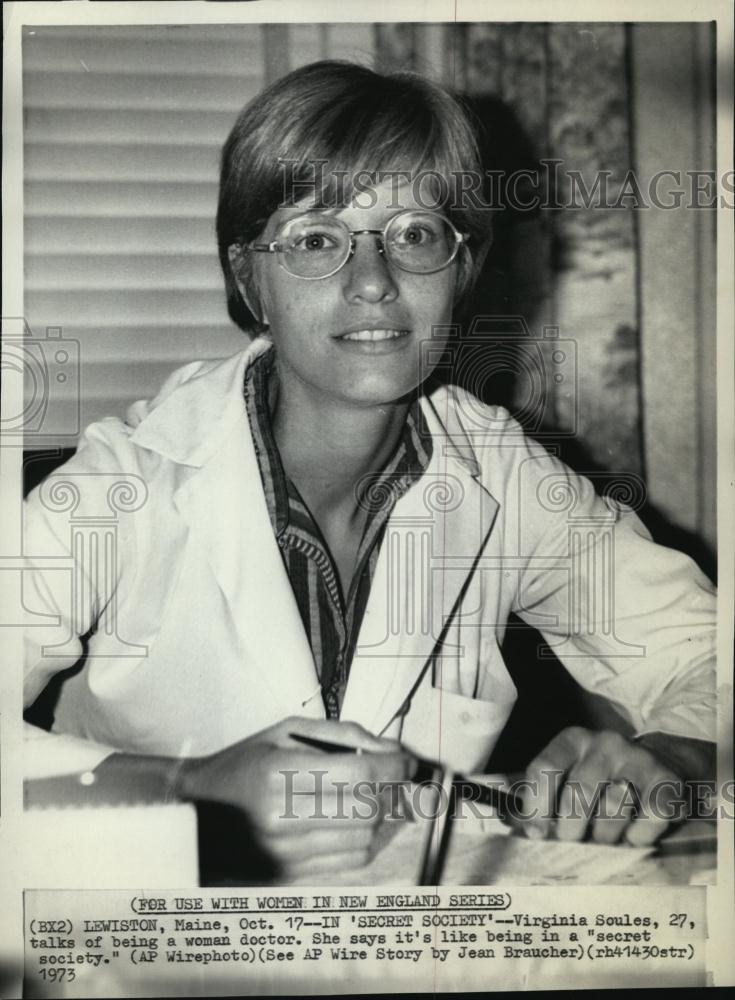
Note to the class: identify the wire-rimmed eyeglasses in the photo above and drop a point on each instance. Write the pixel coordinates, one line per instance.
(315, 245)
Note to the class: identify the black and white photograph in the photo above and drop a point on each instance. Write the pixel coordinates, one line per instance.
(367, 392)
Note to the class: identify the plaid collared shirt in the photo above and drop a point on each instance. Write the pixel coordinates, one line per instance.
(331, 619)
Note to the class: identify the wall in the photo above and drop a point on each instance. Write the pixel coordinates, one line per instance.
(123, 129)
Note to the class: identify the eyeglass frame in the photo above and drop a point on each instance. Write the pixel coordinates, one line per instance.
(460, 239)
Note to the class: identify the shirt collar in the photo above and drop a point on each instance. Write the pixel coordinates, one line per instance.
(260, 387)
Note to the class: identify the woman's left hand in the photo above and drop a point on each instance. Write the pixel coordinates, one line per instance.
(598, 784)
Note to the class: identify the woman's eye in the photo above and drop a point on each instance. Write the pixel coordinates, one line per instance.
(314, 241)
(416, 236)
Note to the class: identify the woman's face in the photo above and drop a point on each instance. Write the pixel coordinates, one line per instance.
(309, 320)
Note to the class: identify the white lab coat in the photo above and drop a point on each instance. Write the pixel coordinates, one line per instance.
(199, 641)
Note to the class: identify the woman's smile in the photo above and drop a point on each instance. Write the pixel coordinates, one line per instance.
(374, 340)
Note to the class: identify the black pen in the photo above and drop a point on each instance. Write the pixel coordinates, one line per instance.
(507, 804)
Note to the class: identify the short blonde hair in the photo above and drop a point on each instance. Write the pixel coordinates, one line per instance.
(346, 118)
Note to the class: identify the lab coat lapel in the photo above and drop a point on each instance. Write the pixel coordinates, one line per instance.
(225, 507)
(222, 501)
(433, 540)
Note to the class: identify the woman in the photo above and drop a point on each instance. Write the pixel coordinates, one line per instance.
(324, 548)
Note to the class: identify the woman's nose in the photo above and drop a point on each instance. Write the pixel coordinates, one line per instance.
(367, 275)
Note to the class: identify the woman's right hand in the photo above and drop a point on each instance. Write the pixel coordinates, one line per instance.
(310, 810)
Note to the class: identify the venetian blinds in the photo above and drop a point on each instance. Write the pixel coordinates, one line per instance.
(123, 128)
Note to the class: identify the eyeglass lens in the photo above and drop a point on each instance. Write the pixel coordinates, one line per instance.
(317, 245)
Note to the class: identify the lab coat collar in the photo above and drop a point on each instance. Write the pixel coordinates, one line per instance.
(197, 409)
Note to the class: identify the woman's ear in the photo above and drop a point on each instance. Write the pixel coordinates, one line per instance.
(469, 267)
(242, 273)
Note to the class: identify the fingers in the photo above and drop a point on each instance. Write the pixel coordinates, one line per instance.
(597, 786)
(305, 793)
(580, 796)
(350, 734)
(544, 779)
(302, 848)
(325, 833)
(593, 802)
(366, 757)
(326, 804)
(618, 809)
(659, 792)
(303, 769)
(314, 843)
(355, 735)
(341, 861)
